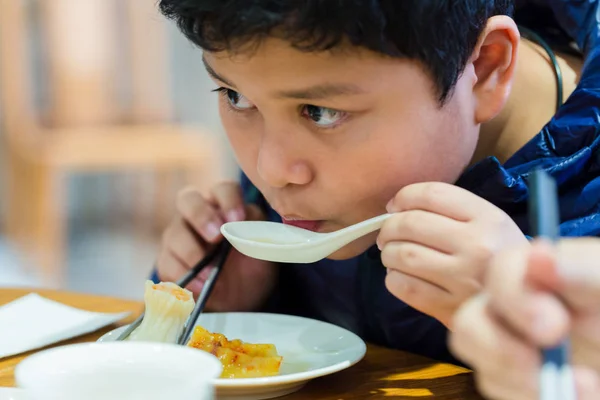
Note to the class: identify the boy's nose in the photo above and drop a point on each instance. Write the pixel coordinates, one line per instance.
(280, 164)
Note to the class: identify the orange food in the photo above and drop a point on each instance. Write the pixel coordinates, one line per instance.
(239, 359)
(177, 292)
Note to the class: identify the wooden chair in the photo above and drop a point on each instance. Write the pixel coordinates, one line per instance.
(82, 127)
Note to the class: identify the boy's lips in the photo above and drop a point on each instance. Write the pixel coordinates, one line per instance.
(302, 223)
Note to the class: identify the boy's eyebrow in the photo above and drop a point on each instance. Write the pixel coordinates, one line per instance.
(323, 91)
(215, 76)
(316, 92)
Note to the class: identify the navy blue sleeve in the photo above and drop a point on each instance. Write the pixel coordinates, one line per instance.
(253, 195)
(580, 19)
(248, 189)
(154, 276)
(569, 148)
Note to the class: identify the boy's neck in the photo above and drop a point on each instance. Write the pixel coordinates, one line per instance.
(531, 105)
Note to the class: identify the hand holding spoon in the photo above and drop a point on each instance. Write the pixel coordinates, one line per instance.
(272, 241)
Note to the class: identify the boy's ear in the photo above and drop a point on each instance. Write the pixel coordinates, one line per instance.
(494, 60)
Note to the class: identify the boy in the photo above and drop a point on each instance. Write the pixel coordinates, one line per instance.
(340, 111)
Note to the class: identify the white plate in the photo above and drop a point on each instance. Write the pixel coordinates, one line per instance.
(11, 394)
(310, 349)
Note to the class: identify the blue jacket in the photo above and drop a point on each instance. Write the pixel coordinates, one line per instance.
(352, 293)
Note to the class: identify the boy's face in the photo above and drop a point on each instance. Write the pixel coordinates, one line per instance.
(332, 137)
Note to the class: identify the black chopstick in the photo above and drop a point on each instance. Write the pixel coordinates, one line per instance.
(556, 378)
(205, 294)
(212, 254)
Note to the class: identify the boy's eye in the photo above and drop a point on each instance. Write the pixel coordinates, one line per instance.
(237, 101)
(323, 117)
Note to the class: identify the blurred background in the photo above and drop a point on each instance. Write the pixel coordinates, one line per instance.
(105, 114)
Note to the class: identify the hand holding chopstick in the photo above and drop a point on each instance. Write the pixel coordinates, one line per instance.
(556, 376)
(513, 335)
(222, 251)
(190, 233)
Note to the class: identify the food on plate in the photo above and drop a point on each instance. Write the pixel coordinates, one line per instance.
(168, 307)
(239, 359)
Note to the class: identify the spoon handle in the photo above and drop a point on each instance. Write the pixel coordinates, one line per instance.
(356, 231)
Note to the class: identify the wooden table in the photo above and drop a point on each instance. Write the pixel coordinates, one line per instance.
(383, 373)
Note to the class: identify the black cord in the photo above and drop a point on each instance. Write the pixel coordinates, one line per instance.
(534, 37)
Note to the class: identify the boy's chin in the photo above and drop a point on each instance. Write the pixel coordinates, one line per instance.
(354, 249)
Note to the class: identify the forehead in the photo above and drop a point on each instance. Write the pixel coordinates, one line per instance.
(276, 63)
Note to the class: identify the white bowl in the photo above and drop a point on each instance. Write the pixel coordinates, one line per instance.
(12, 394)
(119, 370)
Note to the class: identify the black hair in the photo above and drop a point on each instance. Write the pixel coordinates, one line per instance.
(441, 34)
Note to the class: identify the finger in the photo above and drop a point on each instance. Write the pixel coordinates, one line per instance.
(418, 293)
(197, 284)
(425, 228)
(200, 214)
(440, 198)
(170, 269)
(584, 340)
(542, 271)
(579, 273)
(495, 352)
(229, 200)
(183, 243)
(419, 262)
(493, 388)
(587, 383)
(538, 315)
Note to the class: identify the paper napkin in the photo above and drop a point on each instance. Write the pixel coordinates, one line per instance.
(32, 322)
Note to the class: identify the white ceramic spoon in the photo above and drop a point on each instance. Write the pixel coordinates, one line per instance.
(272, 241)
